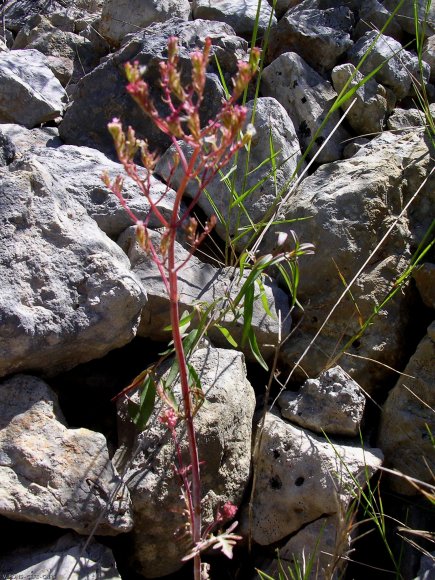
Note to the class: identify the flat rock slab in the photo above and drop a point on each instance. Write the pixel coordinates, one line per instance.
(301, 477)
(51, 474)
(30, 93)
(205, 284)
(67, 293)
(70, 557)
(333, 404)
(223, 429)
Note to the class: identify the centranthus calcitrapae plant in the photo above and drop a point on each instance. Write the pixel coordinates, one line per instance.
(211, 148)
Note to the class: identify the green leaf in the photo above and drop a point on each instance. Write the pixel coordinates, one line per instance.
(263, 298)
(248, 309)
(143, 410)
(227, 335)
(184, 323)
(255, 350)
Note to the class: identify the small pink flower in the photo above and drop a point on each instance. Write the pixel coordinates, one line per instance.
(227, 511)
(169, 418)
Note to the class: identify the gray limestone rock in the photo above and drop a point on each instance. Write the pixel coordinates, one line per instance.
(333, 404)
(7, 149)
(30, 93)
(120, 17)
(405, 15)
(367, 114)
(351, 204)
(373, 16)
(67, 293)
(399, 65)
(405, 119)
(272, 125)
(240, 14)
(223, 426)
(77, 172)
(203, 283)
(100, 96)
(424, 277)
(69, 557)
(51, 474)
(307, 98)
(24, 139)
(406, 416)
(301, 478)
(318, 34)
(429, 55)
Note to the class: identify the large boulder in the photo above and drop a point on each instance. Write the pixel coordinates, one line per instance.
(30, 94)
(51, 474)
(405, 436)
(68, 295)
(223, 428)
(351, 205)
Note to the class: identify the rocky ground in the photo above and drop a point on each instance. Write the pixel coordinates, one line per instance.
(82, 309)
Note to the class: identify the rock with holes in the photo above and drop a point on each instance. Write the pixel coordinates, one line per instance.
(67, 293)
(223, 428)
(333, 404)
(301, 478)
(240, 14)
(51, 474)
(30, 93)
(319, 34)
(275, 137)
(120, 17)
(77, 172)
(407, 414)
(203, 284)
(307, 98)
(367, 108)
(100, 96)
(71, 556)
(352, 204)
(398, 65)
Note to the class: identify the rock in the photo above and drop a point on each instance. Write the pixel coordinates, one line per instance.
(240, 14)
(302, 478)
(352, 203)
(307, 98)
(223, 427)
(51, 474)
(374, 16)
(120, 17)
(407, 414)
(405, 15)
(318, 35)
(368, 113)
(202, 283)
(429, 55)
(354, 146)
(69, 55)
(7, 149)
(333, 404)
(77, 172)
(70, 557)
(68, 295)
(399, 65)
(100, 96)
(272, 124)
(427, 567)
(3, 46)
(30, 93)
(424, 277)
(405, 119)
(24, 139)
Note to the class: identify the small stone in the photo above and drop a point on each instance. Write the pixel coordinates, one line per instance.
(424, 276)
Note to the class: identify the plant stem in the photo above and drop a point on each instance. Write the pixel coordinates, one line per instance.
(195, 517)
